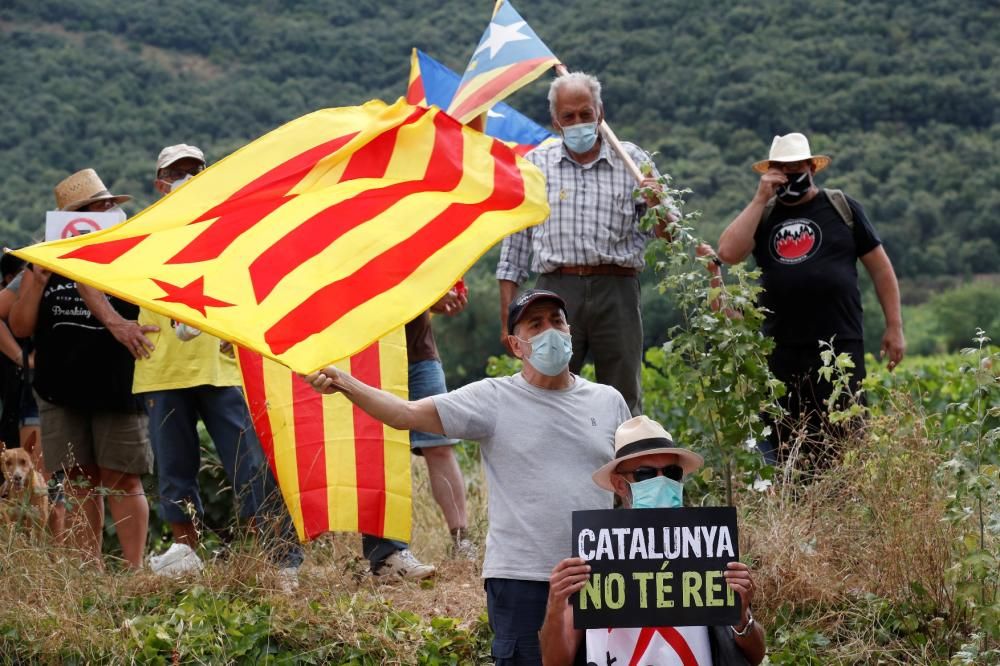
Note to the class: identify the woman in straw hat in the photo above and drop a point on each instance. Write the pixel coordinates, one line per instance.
(93, 428)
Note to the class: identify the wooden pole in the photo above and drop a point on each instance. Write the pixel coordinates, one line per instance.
(611, 138)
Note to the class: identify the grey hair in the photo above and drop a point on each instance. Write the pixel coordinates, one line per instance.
(588, 81)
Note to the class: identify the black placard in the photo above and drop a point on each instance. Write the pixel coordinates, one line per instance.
(656, 567)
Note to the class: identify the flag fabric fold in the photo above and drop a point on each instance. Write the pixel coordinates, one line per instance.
(318, 238)
(509, 55)
(338, 468)
(432, 83)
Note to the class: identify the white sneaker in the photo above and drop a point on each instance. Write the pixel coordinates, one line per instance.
(179, 559)
(404, 563)
(288, 579)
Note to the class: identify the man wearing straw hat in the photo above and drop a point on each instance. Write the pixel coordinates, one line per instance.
(92, 427)
(647, 472)
(807, 242)
(590, 250)
(541, 433)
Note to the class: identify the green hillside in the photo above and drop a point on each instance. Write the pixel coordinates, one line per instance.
(903, 95)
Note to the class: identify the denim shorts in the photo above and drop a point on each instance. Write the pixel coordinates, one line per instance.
(427, 379)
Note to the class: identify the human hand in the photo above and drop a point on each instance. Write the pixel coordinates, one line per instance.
(40, 274)
(451, 303)
(737, 576)
(706, 250)
(133, 337)
(651, 189)
(893, 346)
(226, 347)
(769, 183)
(327, 381)
(568, 577)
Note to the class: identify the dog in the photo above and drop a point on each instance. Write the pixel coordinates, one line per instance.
(24, 494)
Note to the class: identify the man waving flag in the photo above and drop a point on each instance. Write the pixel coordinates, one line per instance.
(318, 238)
(509, 55)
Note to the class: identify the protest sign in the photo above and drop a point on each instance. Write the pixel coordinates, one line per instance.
(656, 567)
(66, 224)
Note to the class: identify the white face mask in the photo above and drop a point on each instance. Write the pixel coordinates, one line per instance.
(180, 181)
(119, 214)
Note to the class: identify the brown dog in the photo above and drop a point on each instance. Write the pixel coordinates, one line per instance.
(24, 494)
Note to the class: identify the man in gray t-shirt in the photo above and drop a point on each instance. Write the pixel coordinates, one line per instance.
(542, 433)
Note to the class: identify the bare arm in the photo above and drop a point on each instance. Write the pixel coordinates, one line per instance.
(508, 290)
(736, 242)
(128, 332)
(7, 298)
(9, 346)
(752, 644)
(383, 406)
(559, 640)
(883, 276)
(24, 311)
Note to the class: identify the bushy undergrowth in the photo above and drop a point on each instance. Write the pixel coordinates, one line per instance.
(879, 560)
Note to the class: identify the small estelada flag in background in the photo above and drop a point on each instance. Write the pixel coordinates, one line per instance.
(338, 468)
(432, 83)
(509, 55)
(318, 238)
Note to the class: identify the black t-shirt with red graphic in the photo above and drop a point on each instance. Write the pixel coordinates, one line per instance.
(808, 259)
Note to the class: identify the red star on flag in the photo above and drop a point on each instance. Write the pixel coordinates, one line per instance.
(191, 295)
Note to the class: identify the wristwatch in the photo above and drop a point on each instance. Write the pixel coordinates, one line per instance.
(747, 628)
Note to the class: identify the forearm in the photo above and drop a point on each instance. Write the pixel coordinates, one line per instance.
(9, 346)
(558, 639)
(886, 286)
(100, 306)
(24, 312)
(736, 242)
(753, 644)
(508, 291)
(389, 408)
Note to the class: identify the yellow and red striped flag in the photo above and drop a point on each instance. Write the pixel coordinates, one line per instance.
(318, 238)
(338, 468)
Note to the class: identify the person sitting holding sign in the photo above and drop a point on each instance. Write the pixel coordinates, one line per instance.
(647, 472)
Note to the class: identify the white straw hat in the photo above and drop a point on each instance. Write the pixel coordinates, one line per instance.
(642, 436)
(791, 148)
(84, 188)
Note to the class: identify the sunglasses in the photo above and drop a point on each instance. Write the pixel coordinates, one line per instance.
(645, 473)
(170, 174)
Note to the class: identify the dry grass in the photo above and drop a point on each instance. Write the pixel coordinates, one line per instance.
(828, 556)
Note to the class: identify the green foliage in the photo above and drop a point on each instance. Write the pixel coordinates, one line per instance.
(710, 380)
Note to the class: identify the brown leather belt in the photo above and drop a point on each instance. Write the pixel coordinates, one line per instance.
(600, 269)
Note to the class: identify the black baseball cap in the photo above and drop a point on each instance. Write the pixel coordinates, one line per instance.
(521, 303)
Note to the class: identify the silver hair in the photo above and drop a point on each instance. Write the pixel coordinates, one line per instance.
(588, 81)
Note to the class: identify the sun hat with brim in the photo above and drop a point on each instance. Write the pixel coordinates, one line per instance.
(82, 189)
(172, 154)
(642, 436)
(791, 148)
(517, 307)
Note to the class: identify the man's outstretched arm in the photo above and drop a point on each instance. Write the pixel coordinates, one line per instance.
(381, 405)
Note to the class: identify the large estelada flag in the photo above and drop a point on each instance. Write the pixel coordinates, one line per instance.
(434, 83)
(509, 55)
(318, 238)
(338, 468)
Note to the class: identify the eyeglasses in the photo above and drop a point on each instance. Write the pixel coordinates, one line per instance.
(170, 174)
(645, 473)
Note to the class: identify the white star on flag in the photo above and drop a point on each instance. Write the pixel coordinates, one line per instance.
(493, 114)
(500, 36)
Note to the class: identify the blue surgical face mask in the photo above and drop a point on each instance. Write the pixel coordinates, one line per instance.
(550, 351)
(580, 138)
(657, 493)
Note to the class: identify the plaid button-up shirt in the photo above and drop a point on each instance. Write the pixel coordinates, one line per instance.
(593, 219)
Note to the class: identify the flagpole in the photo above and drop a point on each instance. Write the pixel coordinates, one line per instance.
(611, 138)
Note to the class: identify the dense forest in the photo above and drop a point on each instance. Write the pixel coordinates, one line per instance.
(902, 94)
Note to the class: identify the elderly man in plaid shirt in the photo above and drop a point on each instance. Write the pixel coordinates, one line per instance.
(590, 250)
